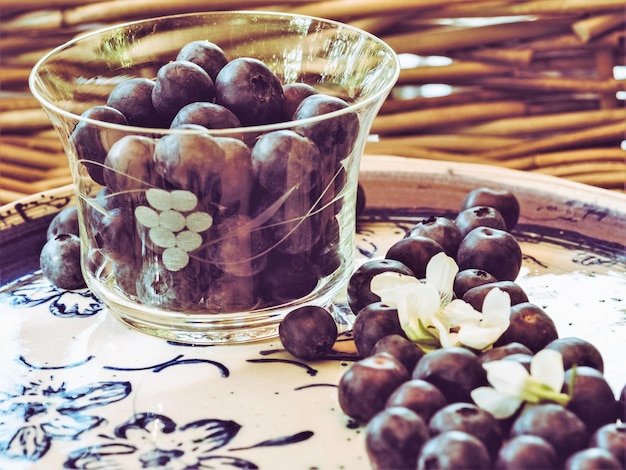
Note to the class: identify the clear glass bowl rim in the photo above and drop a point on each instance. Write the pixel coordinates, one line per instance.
(33, 76)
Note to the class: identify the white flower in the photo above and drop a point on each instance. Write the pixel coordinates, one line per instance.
(512, 385)
(481, 333)
(430, 317)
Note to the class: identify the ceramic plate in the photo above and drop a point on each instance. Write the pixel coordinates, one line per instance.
(80, 390)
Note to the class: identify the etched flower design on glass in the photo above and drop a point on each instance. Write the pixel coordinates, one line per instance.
(173, 225)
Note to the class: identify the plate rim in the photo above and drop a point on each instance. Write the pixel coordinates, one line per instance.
(372, 165)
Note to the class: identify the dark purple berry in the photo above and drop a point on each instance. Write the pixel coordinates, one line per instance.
(554, 423)
(441, 229)
(529, 325)
(374, 322)
(284, 161)
(415, 253)
(293, 94)
(452, 450)
(500, 352)
(325, 255)
(308, 332)
(394, 437)
(191, 162)
(92, 142)
(171, 290)
(526, 452)
(236, 177)
(178, 84)
(287, 277)
(365, 387)
(471, 419)
(359, 291)
(611, 437)
(455, 371)
(236, 249)
(400, 347)
(60, 262)
(133, 98)
(468, 278)
(479, 216)
(129, 164)
(115, 234)
(335, 137)
(419, 396)
(592, 398)
(208, 115)
(65, 221)
(476, 295)
(503, 200)
(251, 90)
(206, 54)
(492, 250)
(593, 458)
(577, 352)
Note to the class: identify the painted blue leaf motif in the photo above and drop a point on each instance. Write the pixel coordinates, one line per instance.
(281, 441)
(106, 455)
(70, 427)
(227, 463)
(23, 410)
(28, 443)
(30, 295)
(92, 395)
(213, 433)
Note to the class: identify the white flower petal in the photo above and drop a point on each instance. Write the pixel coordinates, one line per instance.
(459, 312)
(443, 331)
(497, 309)
(412, 324)
(506, 376)
(389, 286)
(546, 367)
(498, 404)
(440, 271)
(402, 303)
(478, 337)
(425, 302)
(395, 296)
(388, 279)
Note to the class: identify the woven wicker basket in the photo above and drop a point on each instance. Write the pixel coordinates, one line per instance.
(530, 85)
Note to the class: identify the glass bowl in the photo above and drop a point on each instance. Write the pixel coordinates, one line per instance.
(194, 230)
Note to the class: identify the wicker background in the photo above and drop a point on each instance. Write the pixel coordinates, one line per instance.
(528, 85)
